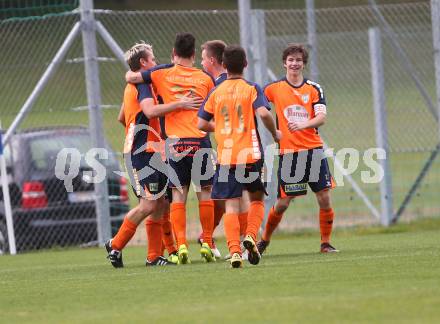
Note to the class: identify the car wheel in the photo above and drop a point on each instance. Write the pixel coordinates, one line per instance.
(4, 243)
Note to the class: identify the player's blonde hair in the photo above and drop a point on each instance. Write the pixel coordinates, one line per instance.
(133, 55)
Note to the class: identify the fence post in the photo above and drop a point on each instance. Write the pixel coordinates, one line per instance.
(312, 40)
(435, 18)
(95, 114)
(377, 79)
(244, 13)
(111, 43)
(259, 48)
(7, 201)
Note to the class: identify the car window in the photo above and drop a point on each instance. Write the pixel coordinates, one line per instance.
(44, 150)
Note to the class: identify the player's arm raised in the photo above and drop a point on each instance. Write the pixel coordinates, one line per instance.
(133, 77)
(145, 76)
(151, 110)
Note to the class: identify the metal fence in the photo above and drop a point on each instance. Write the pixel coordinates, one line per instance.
(342, 48)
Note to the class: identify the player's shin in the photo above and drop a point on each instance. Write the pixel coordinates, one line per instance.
(178, 220)
(272, 223)
(124, 235)
(232, 232)
(243, 220)
(255, 218)
(154, 238)
(206, 212)
(326, 224)
(168, 236)
(219, 210)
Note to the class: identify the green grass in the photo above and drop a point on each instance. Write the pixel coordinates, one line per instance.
(381, 275)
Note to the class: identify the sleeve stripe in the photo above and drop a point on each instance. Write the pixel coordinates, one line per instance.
(320, 108)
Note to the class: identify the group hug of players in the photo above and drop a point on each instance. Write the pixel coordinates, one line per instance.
(168, 112)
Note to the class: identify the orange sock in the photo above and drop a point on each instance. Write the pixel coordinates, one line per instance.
(154, 238)
(168, 238)
(272, 223)
(178, 220)
(232, 231)
(124, 235)
(326, 224)
(255, 218)
(218, 214)
(243, 220)
(206, 211)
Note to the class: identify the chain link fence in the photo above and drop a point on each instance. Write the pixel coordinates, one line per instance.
(29, 45)
(44, 213)
(345, 74)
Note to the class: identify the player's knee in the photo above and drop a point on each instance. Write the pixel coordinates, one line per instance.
(146, 207)
(281, 207)
(205, 193)
(179, 195)
(323, 199)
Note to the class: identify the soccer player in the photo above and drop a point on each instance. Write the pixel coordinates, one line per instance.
(136, 115)
(173, 81)
(300, 109)
(168, 235)
(230, 112)
(212, 53)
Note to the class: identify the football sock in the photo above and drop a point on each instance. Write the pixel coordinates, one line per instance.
(124, 235)
(168, 237)
(206, 212)
(218, 214)
(243, 220)
(255, 218)
(154, 238)
(232, 231)
(326, 223)
(272, 223)
(178, 220)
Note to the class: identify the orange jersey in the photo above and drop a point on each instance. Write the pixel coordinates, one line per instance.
(296, 104)
(232, 105)
(134, 117)
(172, 82)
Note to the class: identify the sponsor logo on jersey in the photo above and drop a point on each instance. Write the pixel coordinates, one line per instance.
(305, 98)
(296, 187)
(296, 113)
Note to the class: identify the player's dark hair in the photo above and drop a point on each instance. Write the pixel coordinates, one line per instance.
(234, 59)
(215, 48)
(185, 45)
(294, 49)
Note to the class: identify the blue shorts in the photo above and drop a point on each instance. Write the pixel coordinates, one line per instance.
(147, 173)
(296, 170)
(187, 162)
(230, 181)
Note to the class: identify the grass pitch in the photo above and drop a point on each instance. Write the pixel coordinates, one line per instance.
(381, 275)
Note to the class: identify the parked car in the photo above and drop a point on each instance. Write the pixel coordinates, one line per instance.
(44, 213)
